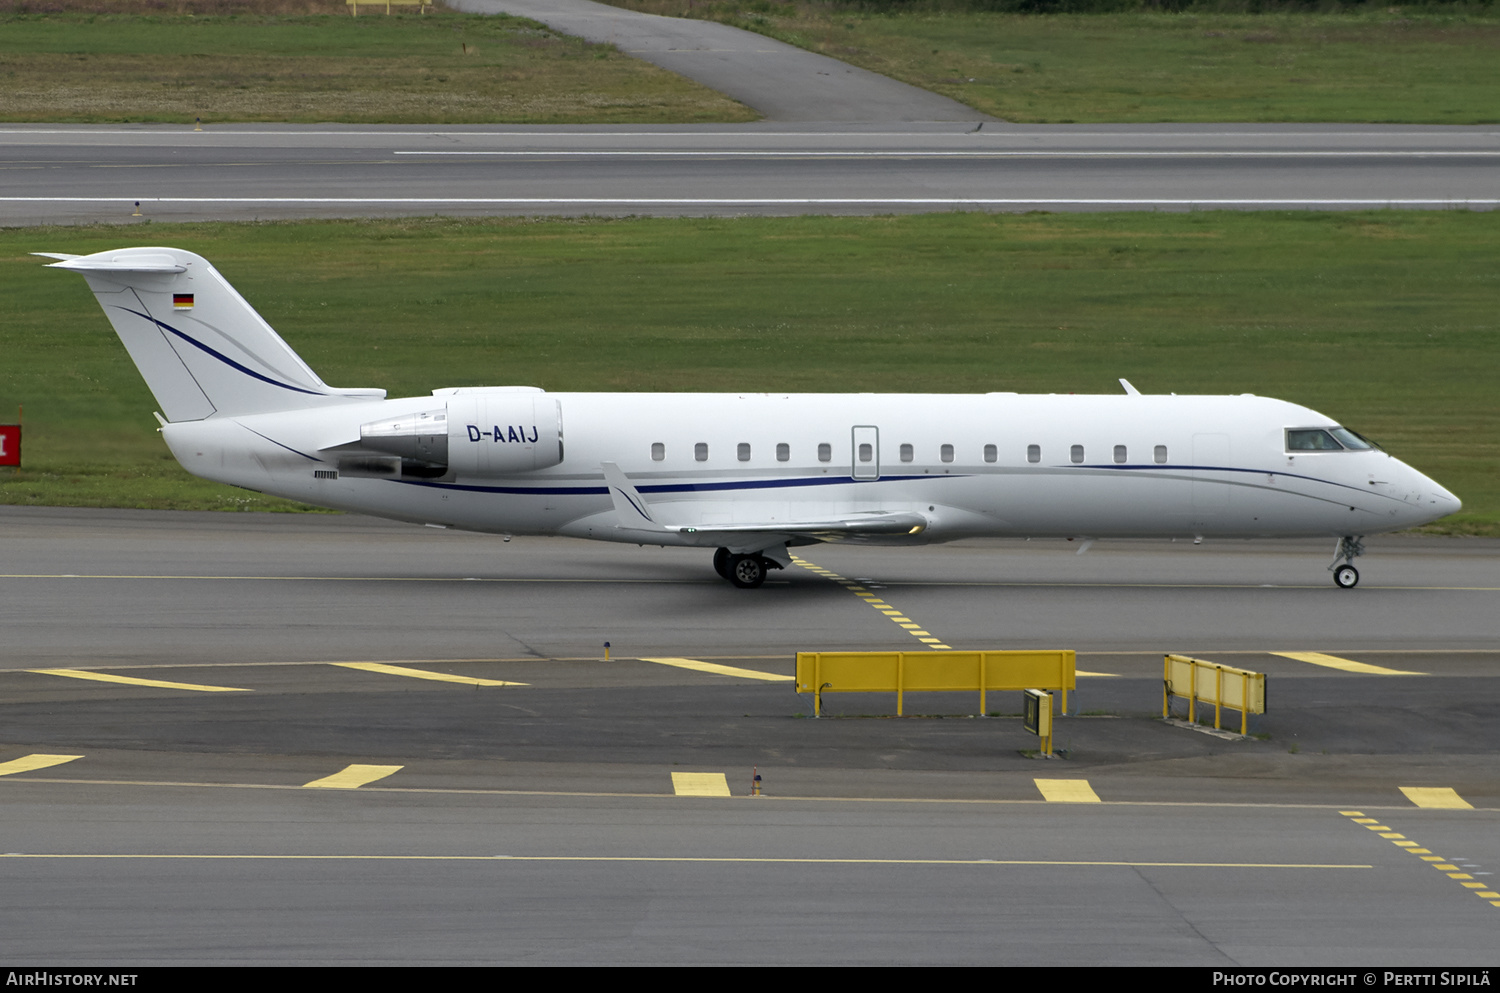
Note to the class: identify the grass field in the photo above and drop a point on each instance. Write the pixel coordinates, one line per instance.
(1386, 321)
(441, 67)
(1430, 65)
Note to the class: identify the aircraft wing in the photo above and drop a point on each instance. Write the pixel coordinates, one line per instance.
(635, 514)
(875, 522)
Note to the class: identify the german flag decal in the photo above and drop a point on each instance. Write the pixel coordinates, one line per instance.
(182, 301)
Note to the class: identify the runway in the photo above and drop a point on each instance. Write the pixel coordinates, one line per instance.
(52, 174)
(481, 786)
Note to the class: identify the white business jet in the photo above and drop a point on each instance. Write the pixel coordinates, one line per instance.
(746, 474)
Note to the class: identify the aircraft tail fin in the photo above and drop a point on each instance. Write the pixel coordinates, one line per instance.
(202, 349)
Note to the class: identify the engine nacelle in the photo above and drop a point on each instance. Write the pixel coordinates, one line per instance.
(496, 434)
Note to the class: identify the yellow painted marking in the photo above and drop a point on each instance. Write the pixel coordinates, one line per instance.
(700, 784)
(1419, 851)
(724, 670)
(442, 677)
(105, 677)
(1347, 665)
(1365, 820)
(1097, 675)
(878, 602)
(1488, 895)
(29, 763)
(1436, 796)
(353, 777)
(1436, 861)
(1376, 827)
(1067, 791)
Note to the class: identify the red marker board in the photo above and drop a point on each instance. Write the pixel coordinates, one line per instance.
(10, 444)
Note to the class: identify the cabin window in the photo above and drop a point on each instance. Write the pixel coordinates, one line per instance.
(658, 451)
(866, 452)
(991, 453)
(1033, 453)
(946, 453)
(700, 451)
(743, 452)
(783, 451)
(825, 452)
(906, 453)
(1161, 454)
(1120, 454)
(1077, 453)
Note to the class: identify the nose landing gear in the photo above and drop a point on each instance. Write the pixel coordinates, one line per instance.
(1345, 576)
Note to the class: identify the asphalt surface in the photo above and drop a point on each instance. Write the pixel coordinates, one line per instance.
(52, 174)
(781, 81)
(540, 822)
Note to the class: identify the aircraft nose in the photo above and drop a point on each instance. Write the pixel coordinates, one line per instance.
(1434, 499)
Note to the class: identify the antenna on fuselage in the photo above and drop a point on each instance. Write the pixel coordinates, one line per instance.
(1128, 388)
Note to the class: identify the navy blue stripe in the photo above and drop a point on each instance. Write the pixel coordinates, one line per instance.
(278, 444)
(749, 484)
(220, 356)
(762, 484)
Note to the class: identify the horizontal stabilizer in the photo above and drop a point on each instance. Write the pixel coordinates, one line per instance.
(124, 262)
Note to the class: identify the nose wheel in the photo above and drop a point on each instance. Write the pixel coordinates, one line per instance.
(1345, 576)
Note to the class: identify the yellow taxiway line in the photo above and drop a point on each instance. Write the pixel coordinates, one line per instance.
(161, 684)
(29, 763)
(723, 670)
(1347, 665)
(353, 777)
(1437, 797)
(1067, 791)
(441, 677)
(700, 784)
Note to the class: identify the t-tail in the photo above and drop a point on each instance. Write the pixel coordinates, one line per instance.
(203, 351)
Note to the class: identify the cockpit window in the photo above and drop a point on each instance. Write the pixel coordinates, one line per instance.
(1352, 439)
(1311, 440)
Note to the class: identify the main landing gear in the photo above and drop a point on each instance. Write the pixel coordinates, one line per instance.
(745, 571)
(1345, 576)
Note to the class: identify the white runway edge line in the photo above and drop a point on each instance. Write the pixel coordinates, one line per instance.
(786, 201)
(997, 153)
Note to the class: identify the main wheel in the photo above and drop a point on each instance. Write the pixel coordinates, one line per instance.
(747, 571)
(721, 562)
(1346, 577)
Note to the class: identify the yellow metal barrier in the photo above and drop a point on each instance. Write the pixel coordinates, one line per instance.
(901, 672)
(353, 5)
(1220, 685)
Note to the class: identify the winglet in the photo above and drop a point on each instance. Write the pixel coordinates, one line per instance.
(1129, 389)
(630, 508)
